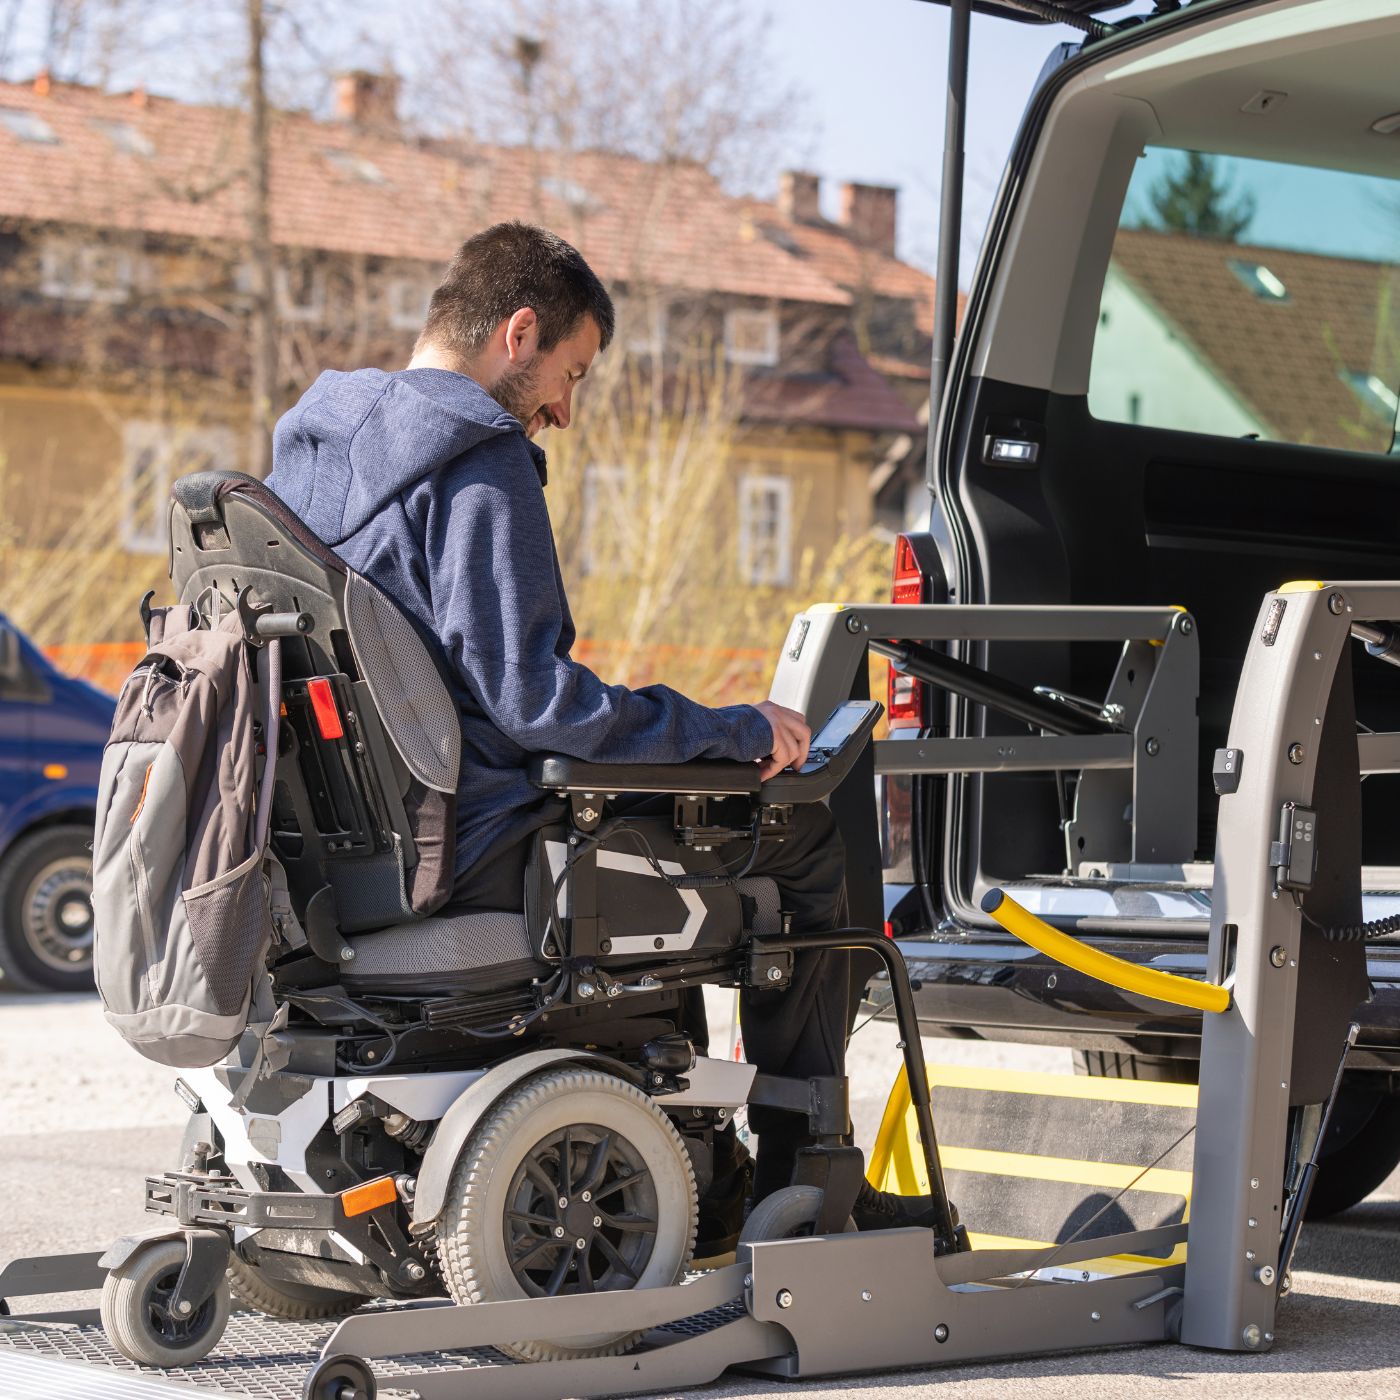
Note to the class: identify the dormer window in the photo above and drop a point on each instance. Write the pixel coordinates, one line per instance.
(28, 126)
(125, 137)
(751, 336)
(1258, 279)
(356, 166)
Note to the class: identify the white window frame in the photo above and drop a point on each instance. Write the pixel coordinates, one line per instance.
(738, 354)
(159, 452)
(406, 299)
(754, 487)
(637, 312)
(313, 310)
(73, 270)
(599, 513)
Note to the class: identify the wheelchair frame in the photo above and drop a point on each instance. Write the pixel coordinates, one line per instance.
(835, 1303)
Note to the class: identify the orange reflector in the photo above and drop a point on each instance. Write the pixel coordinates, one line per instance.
(55, 770)
(323, 706)
(373, 1194)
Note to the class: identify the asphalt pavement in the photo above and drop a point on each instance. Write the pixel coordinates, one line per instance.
(83, 1118)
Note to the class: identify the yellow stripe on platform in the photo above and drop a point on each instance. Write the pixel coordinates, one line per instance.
(896, 1163)
(1061, 1086)
(1113, 1176)
(1110, 1264)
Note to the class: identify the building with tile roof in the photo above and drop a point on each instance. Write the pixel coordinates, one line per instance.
(1215, 337)
(124, 290)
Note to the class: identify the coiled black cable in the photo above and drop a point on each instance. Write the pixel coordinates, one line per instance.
(1352, 933)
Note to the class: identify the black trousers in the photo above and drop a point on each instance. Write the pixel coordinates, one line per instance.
(798, 1031)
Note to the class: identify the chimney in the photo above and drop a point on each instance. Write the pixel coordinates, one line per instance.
(368, 100)
(868, 213)
(799, 196)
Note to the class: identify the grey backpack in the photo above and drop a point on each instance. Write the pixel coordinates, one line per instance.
(181, 891)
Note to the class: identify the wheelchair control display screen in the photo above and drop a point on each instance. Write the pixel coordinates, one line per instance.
(854, 718)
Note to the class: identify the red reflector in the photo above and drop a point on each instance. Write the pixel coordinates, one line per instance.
(889, 929)
(323, 707)
(904, 704)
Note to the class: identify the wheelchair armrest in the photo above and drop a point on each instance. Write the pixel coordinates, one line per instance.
(702, 777)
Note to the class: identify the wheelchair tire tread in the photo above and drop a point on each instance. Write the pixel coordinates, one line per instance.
(477, 1163)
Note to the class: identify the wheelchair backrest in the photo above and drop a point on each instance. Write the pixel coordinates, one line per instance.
(371, 746)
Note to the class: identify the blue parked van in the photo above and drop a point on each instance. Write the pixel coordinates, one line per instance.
(52, 730)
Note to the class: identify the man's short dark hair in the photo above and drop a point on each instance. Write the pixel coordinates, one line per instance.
(506, 267)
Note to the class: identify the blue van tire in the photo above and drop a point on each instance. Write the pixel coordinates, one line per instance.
(46, 911)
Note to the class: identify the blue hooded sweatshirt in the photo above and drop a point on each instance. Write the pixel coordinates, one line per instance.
(424, 484)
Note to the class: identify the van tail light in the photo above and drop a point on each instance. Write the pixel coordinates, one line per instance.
(904, 704)
(323, 707)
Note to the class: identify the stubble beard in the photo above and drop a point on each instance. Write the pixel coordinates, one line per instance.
(517, 391)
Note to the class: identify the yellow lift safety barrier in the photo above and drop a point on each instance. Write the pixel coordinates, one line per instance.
(1144, 981)
(1081, 1138)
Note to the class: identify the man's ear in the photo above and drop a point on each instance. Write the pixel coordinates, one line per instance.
(522, 335)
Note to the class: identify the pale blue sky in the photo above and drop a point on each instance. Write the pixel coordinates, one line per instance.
(1314, 211)
(877, 70)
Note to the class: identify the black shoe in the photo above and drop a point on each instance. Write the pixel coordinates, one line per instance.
(882, 1210)
(722, 1206)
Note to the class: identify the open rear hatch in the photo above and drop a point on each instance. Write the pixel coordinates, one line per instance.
(1143, 410)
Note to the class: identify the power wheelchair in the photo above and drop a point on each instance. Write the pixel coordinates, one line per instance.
(488, 1105)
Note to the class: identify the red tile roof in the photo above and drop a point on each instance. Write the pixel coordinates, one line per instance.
(852, 395)
(666, 225)
(343, 189)
(1284, 358)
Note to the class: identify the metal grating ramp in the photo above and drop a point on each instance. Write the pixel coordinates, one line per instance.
(258, 1358)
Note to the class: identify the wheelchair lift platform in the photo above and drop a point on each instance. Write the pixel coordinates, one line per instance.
(1285, 973)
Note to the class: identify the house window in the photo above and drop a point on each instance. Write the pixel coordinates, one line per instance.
(751, 337)
(765, 529)
(85, 271)
(641, 322)
(153, 455)
(606, 527)
(301, 292)
(406, 301)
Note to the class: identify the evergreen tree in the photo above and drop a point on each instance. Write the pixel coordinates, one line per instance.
(1191, 199)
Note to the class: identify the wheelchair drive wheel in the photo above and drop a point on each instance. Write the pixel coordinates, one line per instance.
(277, 1298)
(575, 1182)
(786, 1215)
(139, 1320)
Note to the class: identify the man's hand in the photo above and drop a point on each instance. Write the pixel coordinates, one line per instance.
(791, 739)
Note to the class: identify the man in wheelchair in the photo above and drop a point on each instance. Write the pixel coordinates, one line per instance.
(428, 482)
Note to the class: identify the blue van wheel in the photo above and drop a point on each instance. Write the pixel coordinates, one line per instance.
(46, 911)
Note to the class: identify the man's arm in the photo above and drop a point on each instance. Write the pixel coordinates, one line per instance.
(499, 613)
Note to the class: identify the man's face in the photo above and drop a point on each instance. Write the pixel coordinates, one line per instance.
(538, 387)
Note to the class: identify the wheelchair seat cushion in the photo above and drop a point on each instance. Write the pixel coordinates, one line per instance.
(486, 950)
(483, 950)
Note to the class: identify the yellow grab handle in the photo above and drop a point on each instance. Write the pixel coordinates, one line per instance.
(1145, 981)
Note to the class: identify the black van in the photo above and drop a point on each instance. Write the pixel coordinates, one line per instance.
(1177, 382)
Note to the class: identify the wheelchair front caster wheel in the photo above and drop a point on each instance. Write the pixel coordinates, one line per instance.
(786, 1215)
(340, 1378)
(140, 1320)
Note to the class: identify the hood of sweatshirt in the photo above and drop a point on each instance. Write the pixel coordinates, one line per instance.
(358, 439)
